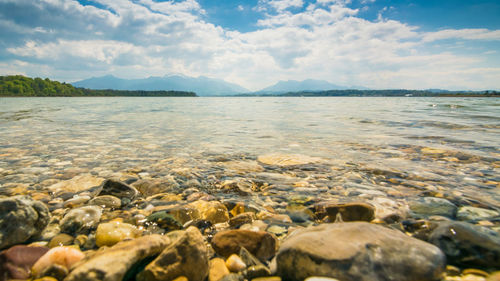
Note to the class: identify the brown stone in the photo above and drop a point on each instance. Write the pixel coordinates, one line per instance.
(16, 262)
(260, 243)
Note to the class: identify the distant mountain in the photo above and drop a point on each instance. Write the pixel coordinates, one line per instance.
(202, 86)
(305, 85)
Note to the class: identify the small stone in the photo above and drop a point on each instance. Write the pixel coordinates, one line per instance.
(217, 269)
(46, 278)
(63, 256)
(181, 278)
(106, 201)
(212, 211)
(235, 264)
(280, 159)
(118, 189)
(467, 245)
(61, 239)
(232, 277)
(255, 271)
(114, 262)
(475, 271)
(20, 219)
(164, 220)
(241, 219)
(110, 233)
(432, 206)
(186, 256)
(56, 271)
(277, 230)
(354, 211)
(261, 244)
(299, 213)
(81, 220)
(76, 201)
(469, 213)
(16, 262)
(269, 278)
(495, 276)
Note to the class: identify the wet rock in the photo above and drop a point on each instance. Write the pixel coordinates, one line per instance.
(358, 251)
(164, 220)
(256, 271)
(113, 263)
(467, 245)
(268, 278)
(299, 213)
(110, 233)
(316, 278)
(217, 269)
(260, 243)
(20, 219)
(212, 211)
(235, 264)
(280, 159)
(432, 206)
(16, 262)
(495, 276)
(469, 213)
(81, 183)
(81, 220)
(106, 201)
(64, 257)
(186, 256)
(62, 239)
(354, 211)
(277, 230)
(149, 187)
(119, 189)
(242, 219)
(76, 201)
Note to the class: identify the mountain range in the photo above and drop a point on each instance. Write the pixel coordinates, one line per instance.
(202, 86)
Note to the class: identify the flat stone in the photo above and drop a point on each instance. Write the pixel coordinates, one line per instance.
(358, 251)
(61, 239)
(20, 219)
(112, 264)
(81, 220)
(281, 159)
(467, 245)
(16, 262)
(260, 243)
(432, 206)
(106, 201)
(241, 219)
(353, 211)
(186, 256)
(85, 182)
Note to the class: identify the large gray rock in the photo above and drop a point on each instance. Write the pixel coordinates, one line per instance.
(20, 219)
(186, 256)
(358, 251)
(467, 245)
(81, 220)
(112, 264)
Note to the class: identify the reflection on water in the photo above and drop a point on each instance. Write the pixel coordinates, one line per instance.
(44, 138)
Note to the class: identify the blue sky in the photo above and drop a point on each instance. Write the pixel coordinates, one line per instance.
(255, 43)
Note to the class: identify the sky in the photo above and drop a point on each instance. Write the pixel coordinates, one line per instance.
(379, 44)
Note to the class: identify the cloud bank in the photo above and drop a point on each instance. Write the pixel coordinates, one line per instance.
(323, 39)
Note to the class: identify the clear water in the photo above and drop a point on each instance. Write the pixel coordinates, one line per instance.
(40, 137)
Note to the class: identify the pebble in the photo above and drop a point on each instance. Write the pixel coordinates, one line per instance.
(65, 257)
(16, 262)
(81, 220)
(110, 233)
(61, 239)
(217, 269)
(235, 264)
(261, 244)
(106, 201)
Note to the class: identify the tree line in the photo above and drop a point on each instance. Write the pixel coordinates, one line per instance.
(21, 86)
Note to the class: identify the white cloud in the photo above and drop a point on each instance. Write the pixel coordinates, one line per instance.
(327, 40)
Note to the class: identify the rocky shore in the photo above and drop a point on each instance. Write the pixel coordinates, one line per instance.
(267, 218)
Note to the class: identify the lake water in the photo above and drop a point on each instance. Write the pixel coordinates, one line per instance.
(396, 147)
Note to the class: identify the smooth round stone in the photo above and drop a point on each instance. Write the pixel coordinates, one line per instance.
(85, 182)
(277, 230)
(16, 262)
(76, 201)
(353, 211)
(242, 219)
(474, 213)
(62, 239)
(164, 220)
(280, 159)
(118, 189)
(212, 211)
(260, 243)
(106, 201)
(235, 264)
(110, 233)
(81, 220)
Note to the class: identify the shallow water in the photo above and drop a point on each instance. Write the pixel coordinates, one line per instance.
(379, 144)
